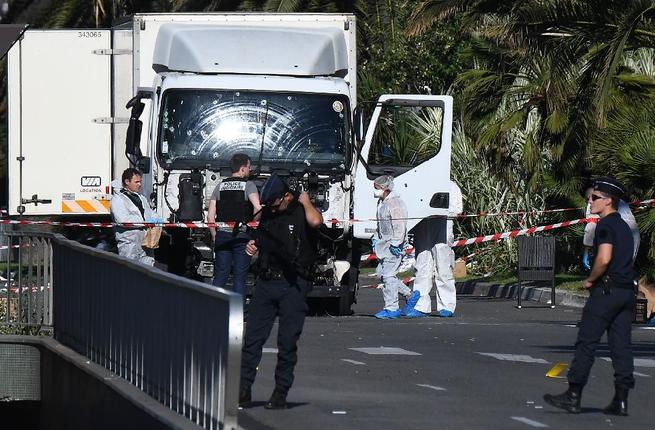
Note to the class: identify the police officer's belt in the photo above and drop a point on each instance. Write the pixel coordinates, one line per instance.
(271, 274)
(607, 283)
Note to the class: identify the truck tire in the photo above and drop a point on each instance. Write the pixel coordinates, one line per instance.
(345, 303)
(349, 295)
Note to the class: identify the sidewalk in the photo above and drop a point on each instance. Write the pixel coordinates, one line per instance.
(481, 288)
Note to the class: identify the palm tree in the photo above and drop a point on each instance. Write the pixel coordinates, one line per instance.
(563, 60)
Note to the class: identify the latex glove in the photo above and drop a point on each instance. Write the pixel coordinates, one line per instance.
(585, 262)
(373, 243)
(396, 251)
(155, 220)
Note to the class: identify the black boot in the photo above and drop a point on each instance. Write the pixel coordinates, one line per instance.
(619, 404)
(568, 400)
(278, 399)
(245, 396)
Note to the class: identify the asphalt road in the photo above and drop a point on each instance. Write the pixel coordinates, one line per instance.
(485, 368)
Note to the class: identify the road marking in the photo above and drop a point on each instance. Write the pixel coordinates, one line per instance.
(643, 375)
(514, 357)
(358, 363)
(338, 412)
(647, 328)
(269, 350)
(432, 387)
(638, 362)
(556, 370)
(385, 350)
(530, 422)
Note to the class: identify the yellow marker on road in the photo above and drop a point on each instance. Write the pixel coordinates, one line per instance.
(555, 371)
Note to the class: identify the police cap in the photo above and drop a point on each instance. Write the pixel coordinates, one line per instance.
(611, 187)
(273, 189)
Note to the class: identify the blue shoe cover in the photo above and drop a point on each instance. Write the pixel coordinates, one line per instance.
(413, 313)
(445, 313)
(386, 314)
(411, 302)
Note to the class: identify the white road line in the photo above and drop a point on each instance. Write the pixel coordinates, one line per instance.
(432, 387)
(514, 357)
(530, 422)
(643, 375)
(358, 363)
(385, 350)
(647, 328)
(639, 362)
(269, 350)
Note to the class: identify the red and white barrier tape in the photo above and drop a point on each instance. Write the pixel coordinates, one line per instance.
(501, 236)
(405, 281)
(636, 203)
(3, 247)
(514, 233)
(254, 224)
(190, 224)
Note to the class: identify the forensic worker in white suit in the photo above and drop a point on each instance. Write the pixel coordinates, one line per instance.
(435, 261)
(128, 206)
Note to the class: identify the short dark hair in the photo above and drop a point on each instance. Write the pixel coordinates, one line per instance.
(129, 173)
(615, 202)
(238, 161)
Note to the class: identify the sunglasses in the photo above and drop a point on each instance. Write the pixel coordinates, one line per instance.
(595, 197)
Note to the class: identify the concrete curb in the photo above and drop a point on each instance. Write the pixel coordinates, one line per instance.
(530, 293)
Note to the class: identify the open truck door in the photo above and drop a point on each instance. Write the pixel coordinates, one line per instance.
(409, 138)
(59, 92)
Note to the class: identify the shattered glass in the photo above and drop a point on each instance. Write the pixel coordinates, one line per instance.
(201, 128)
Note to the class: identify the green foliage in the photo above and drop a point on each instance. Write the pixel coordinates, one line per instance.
(564, 61)
(626, 148)
(405, 137)
(391, 61)
(484, 190)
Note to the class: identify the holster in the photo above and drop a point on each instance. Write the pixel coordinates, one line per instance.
(606, 285)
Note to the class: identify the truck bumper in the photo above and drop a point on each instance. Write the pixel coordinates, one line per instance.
(329, 291)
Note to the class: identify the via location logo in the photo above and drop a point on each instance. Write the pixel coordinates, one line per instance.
(90, 181)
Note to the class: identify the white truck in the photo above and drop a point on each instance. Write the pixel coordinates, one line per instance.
(178, 94)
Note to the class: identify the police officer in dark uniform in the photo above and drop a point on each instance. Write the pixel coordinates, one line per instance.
(235, 199)
(286, 245)
(610, 306)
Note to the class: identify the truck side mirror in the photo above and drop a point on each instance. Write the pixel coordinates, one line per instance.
(358, 125)
(133, 137)
(143, 164)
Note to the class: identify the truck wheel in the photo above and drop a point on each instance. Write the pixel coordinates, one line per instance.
(350, 295)
(345, 302)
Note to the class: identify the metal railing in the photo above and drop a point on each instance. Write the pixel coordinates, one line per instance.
(176, 339)
(25, 281)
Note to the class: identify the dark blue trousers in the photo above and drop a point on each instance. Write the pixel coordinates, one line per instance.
(272, 298)
(612, 313)
(231, 256)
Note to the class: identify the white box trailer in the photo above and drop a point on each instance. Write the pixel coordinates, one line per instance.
(60, 152)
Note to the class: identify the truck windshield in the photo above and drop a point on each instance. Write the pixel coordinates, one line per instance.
(204, 128)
